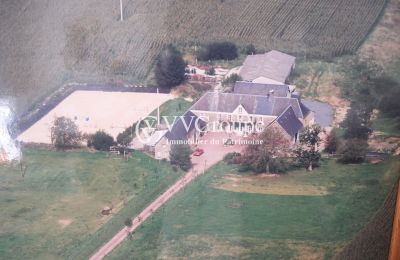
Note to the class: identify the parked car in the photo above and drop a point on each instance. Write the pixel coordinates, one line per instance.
(198, 152)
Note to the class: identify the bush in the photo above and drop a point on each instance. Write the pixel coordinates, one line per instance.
(231, 80)
(101, 141)
(218, 51)
(249, 49)
(180, 156)
(331, 142)
(353, 151)
(211, 71)
(232, 158)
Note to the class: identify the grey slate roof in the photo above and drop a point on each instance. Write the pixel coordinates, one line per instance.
(253, 104)
(289, 122)
(275, 65)
(179, 131)
(228, 102)
(244, 87)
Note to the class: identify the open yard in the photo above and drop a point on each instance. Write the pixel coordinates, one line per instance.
(54, 212)
(206, 221)
(112, 112)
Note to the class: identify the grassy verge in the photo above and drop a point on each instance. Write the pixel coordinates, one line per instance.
(54, 212)
(208, 222)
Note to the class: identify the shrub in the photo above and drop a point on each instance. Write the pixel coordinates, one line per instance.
(101, 141)
(353, 151)
(218, 51)
(211, 71)
(331, 142)
(231, 79)
(232, 158)
(249, 49)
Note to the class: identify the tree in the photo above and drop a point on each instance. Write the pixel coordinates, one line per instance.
(356, 123)
(218, 51)
(332, 142)
(101, 141)
(180, 156)
(267, 155)
(170, 68)
(308, 154)
(353, 151)
(65, 133)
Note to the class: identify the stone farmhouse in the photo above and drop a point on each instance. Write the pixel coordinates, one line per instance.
(261, 101)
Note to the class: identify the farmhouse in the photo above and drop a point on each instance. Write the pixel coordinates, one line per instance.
(239, 114)
(273, 67)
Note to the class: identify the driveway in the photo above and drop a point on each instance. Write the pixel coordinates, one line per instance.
(323, 112)
(214, 150)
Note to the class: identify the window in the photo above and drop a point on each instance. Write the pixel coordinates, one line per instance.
(229, 117)
(240, 110)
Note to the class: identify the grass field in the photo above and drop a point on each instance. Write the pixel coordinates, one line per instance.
(46, 44)
(208, 222)
(54, 211)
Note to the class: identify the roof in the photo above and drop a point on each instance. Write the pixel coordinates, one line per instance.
(244, 87)
(156, 137)
(274, 65)
(183, 126)
(253, 104)
(289, 122)
(228, 102)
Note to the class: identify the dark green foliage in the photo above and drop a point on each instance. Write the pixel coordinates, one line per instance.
(370, 87)
(128, 222)
(180, 156)
(353, 151)
(308, 155)
(126, 137)
(356, 123)
(249, 49)
(101, 141)
(218, 51)
(231, 80)
(65, 133)
(170, 68)
(232, 158)
(331, 142)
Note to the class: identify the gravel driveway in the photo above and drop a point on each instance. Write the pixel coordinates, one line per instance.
(323, 112)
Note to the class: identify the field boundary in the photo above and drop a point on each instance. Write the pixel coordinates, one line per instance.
(62, 93)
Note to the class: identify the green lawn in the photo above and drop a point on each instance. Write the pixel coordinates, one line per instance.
(206, 222)
(173, 107)
(54, 211)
